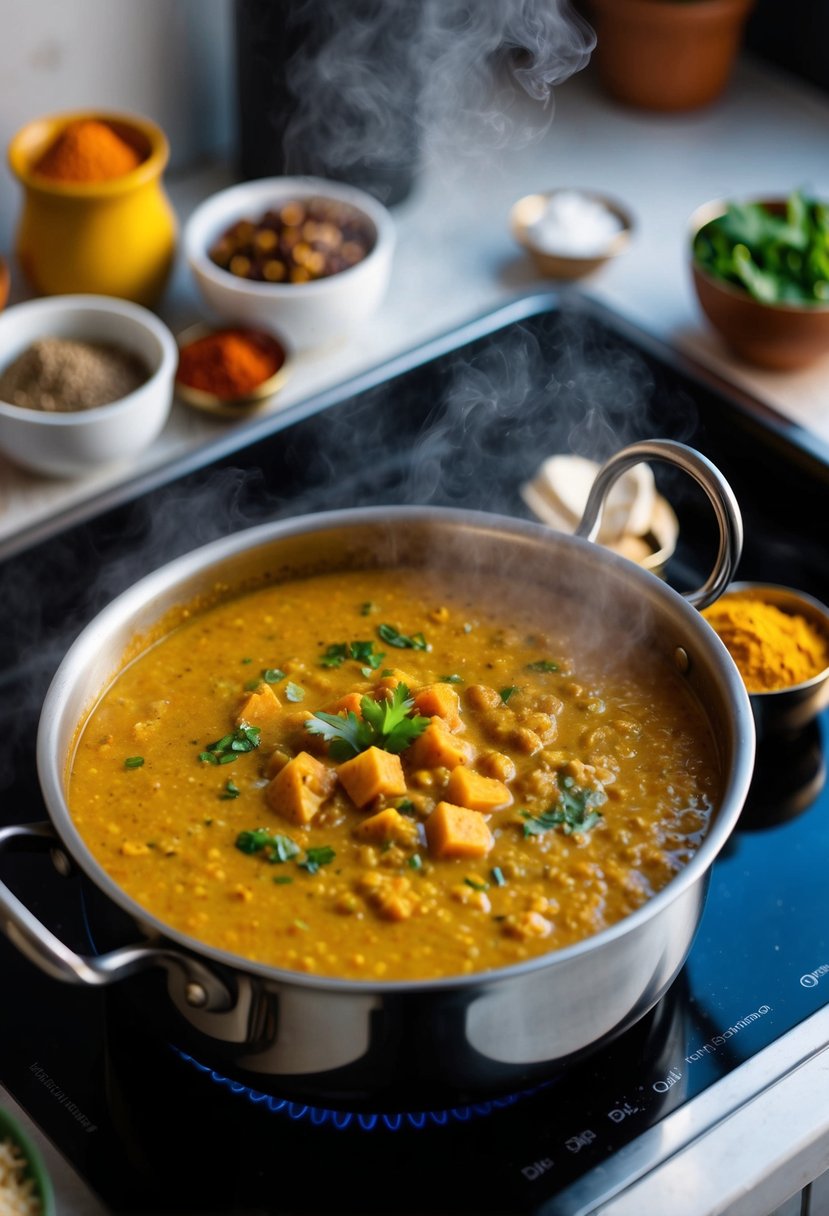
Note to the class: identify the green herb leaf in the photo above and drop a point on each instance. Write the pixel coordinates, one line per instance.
(450, 680)
(361, 652)
(282, 879)
(476, 885)
(321, 855)
(384, 724)
(405, 806)
(274, 848)
(293, 692)
(392, 637)
(273, 675)
(231, 791)
(774, 257)
(229, 747)
(573, 812)
(134, 762)
(415, 862)
(542, 665)
(506, 693)
(335, 655)
(367, 608)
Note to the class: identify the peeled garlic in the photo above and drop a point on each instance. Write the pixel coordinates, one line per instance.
(558, 495)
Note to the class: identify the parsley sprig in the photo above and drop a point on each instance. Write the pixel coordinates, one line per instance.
(384, 724)
(574, 810)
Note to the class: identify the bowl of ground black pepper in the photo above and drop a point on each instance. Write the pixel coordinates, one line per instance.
(305, 257)
(231, 371)
(85, 381)
(95, 216)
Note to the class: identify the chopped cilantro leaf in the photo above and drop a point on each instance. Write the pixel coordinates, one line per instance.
(231, 791)
(506, 693)
(321, 855)
(573, 812)
(392, 637)
(272, 675)
(229, 747)
(274, 848)
(450, 679)
(134, 762)
(476, 885)
(384, 724)
(293, 692)
(543, 665)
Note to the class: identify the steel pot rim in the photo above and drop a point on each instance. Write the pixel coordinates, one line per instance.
(51, 759)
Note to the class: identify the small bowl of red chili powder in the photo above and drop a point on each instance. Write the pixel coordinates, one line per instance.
(230, 371)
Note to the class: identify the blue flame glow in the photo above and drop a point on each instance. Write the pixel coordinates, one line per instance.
(320, 1116)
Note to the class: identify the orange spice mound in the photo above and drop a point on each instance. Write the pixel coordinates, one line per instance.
(87, 150)
(230, 362)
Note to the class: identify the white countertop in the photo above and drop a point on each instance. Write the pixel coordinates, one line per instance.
(456, 257)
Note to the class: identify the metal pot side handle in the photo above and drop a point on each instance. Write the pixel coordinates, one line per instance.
(707, 475)
(196, 985)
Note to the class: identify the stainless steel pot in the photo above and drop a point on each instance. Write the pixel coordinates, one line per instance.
(415, 1043)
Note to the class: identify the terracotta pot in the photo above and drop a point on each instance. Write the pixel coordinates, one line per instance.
(667, 54)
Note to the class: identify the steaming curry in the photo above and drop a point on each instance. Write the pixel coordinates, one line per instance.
(392, 775)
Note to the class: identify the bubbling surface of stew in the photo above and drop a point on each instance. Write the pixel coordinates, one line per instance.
(486, 782)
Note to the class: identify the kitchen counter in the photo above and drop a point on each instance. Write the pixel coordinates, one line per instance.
(456, 257)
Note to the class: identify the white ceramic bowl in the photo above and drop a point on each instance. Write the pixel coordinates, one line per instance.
(306, 314)
(74, 443)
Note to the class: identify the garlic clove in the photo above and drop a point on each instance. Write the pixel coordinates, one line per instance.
(558, 495)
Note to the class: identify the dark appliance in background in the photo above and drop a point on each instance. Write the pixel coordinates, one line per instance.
(329, 88)
(794, 35)
(462, 421)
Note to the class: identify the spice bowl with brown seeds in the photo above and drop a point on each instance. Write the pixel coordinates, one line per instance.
(85, 381)
(306, 257)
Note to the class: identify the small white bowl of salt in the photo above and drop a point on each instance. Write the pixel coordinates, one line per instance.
(569, 232)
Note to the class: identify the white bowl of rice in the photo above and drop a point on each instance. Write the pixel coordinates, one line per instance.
(25, 1187)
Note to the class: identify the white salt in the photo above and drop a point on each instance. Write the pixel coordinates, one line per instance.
(575, 225)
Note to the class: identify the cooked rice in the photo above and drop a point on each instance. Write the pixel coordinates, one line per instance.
(18, 1195)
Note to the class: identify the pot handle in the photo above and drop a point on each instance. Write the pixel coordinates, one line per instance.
(193, 983)
(707, 475)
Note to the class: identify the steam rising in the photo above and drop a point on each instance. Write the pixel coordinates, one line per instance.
(384, 83)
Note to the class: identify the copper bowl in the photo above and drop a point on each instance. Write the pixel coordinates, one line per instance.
(779, 337)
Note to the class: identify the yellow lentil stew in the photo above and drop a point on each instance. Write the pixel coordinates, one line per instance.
(392, 775)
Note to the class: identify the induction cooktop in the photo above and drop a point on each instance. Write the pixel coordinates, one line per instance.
(462, 421)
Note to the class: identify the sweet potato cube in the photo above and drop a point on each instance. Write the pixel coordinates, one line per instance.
(372, 773)
(299, 789)
(457, 832)
(468, 788)
(349, 704)
(388, 825)
(386, 685)
(438, 748)
(262, 708)
(441, 701)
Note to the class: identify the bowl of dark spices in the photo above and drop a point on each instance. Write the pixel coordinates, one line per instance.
(231, 371)
(306, 257)
(85, 381)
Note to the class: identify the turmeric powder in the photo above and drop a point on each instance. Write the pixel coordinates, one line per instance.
(772, 648)
(87, 150)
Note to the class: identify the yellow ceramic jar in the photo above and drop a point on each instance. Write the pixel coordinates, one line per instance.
(115, 237)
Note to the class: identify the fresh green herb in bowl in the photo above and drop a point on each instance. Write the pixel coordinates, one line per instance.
(760, 270)
(777, 252)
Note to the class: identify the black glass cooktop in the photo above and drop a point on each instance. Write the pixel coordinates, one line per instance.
(462, 422)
